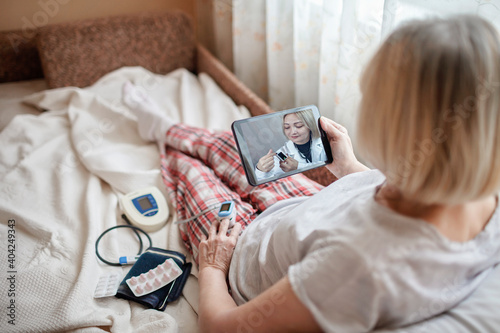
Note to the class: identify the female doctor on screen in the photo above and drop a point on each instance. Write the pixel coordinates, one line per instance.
(304, 146)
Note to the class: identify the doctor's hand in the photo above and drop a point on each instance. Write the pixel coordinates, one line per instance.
(266, 162)
(217, 251)
(289, 164)
(344, 160)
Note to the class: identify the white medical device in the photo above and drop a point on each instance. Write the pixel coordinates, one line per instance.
(146, 208)
(227, 211)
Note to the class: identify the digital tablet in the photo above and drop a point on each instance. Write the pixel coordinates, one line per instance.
(281, 144)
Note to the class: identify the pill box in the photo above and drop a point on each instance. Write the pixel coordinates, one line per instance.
(107, 285)
(155, 278)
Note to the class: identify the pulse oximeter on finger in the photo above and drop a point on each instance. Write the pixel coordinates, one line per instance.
(227, 211)
(282, 156)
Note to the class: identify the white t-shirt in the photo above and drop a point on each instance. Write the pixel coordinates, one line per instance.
(357, 265)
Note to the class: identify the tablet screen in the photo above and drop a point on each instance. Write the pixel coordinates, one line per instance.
(281, 144)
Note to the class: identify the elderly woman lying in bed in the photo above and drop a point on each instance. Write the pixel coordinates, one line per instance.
(342, 258)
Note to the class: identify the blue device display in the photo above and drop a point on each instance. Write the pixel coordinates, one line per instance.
(227, 211)
(145, 208)
(146, 205)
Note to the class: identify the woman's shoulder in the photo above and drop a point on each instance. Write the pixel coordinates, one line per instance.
(372, 177)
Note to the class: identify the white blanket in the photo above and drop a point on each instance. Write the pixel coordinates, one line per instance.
(61, 175)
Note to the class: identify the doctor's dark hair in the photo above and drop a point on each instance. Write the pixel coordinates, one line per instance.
(307, 117)
(429, 116)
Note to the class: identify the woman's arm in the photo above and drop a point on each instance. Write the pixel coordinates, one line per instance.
(275, 310)
(344, 160)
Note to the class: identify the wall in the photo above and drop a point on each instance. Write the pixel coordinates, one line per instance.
(215, 28)
(24, 14)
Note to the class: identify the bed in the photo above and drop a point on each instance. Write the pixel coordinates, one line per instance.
(70, 148)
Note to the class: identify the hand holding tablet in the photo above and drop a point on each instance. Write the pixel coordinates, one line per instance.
(282, 143)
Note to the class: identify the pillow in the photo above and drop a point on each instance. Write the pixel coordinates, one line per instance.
(78, 54)
(19, 56)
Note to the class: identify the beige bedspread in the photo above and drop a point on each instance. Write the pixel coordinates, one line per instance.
(62, 173)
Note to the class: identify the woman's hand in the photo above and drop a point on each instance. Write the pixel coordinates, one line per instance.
(289, 164)
(217, 250)
(344, 160)
(266, 162)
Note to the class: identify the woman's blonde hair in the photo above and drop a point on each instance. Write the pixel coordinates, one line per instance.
(430, 110)
(307, 117)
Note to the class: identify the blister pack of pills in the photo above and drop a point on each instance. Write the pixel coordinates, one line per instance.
(155, 278)
(107, 285)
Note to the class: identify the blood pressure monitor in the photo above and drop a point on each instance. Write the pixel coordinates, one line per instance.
(227, 211)
(146, 208)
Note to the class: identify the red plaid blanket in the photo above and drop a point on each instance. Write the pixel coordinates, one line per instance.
(202, 168)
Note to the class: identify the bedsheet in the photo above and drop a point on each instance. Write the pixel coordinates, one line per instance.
(11, 95)
(62, 173)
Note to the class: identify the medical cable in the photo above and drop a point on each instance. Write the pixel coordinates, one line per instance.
(197, 215)
(130, 260)
(123, 260)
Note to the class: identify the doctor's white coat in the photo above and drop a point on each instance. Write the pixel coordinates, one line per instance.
(317, 155)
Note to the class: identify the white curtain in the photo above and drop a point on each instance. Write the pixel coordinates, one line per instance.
(298, 52)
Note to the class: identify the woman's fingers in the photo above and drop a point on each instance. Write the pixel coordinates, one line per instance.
(339, 127)
(235, 232)
(224, 224)
(217, 250)
(289, 165)
(269, 158)
(344, 159)
(220, 228)
(266, 162)
(331, 121)
(213, 229)
(331, 128)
